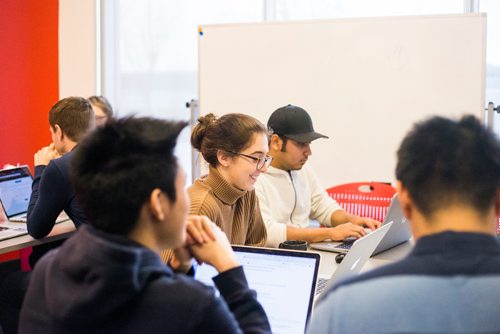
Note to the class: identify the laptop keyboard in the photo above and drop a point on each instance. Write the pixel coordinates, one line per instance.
(321, 285)
(346, 244)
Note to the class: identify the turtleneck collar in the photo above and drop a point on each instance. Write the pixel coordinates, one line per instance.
(222, 189)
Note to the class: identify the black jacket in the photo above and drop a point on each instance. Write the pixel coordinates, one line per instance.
(98, 283)
(51, 193)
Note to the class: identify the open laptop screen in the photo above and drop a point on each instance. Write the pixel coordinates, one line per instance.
(15, 190)
(284, 282)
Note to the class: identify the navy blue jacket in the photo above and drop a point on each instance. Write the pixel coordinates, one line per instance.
(449, 283)
(99, 283)
(52, 192)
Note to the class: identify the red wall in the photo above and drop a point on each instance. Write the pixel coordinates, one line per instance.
(29, 83)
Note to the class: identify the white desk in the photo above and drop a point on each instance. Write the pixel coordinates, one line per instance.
(328, 265)
(60, 231)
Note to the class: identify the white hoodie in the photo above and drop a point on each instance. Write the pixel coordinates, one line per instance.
(292, 198)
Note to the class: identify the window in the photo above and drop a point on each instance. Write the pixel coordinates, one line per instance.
(492, 8)
(325, 9)
(151, 55)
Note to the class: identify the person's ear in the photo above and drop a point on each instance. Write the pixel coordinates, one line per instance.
(275, 143)
(405, 200)
(58, 132)
(223, 158)
(155, 206)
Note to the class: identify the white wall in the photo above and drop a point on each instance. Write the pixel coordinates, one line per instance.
(77, 48)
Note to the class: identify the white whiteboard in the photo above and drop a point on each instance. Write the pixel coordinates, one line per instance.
(364, 81)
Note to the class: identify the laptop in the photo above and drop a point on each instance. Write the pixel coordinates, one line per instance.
(400, 232)
(362, 249)
(15, 193)
(284, 280)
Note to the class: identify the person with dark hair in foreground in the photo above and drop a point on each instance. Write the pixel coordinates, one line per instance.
(448, 176)
(109, 277)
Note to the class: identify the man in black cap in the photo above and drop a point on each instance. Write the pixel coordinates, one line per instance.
(290, 194)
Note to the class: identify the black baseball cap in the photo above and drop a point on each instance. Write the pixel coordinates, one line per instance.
(293, 122)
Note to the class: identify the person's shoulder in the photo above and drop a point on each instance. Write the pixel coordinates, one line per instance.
(58, 169)
(190, 302)
(63, 160)
(304, 175)
(264, 183)
(61, 164)
(358, 290)
(198, 187)
(203, 200)
(307, 170)
(275, 172)
(387, 271)
(198, 190)
(270, 177)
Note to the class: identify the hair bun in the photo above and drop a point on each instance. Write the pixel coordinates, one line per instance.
(207, 119)
(201, 128)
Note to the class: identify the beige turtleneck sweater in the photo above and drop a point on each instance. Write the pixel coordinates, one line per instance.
(235, 211)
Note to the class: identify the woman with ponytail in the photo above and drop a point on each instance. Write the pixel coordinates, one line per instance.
(235, 146)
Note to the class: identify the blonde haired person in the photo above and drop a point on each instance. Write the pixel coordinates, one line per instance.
(102, 109)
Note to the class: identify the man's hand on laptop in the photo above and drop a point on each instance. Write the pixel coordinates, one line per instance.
(372, 224)
(344, 231)
(45, 155)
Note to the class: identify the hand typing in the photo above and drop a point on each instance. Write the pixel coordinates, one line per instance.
(346, 230)
(372, 224)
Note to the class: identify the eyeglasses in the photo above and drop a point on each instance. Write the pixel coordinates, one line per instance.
(265, 160)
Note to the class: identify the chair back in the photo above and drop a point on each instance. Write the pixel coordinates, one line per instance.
(365, 199)
(498, 226)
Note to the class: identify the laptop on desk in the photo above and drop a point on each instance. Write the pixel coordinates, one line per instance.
(284, 280)
(15, 193)
(361, 250)
(400, 232)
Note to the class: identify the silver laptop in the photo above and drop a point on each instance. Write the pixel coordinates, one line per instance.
(400, 232)
(361, 250)
(284, 280)
(15, 193)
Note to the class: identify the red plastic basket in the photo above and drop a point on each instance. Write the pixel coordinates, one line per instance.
(498, 226)
(365, 199)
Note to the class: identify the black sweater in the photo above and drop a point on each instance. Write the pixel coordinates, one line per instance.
(51, 193)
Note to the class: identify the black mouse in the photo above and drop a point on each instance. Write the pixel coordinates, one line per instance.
(339, 257)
